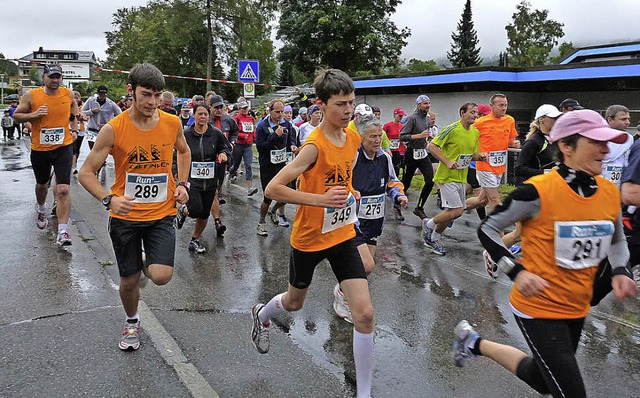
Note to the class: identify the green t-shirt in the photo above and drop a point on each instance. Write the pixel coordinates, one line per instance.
(457, 144)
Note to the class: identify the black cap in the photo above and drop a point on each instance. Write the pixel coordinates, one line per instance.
(375, 109)
(216, 100)
(570, 103)
(102, 90)
(53, 69)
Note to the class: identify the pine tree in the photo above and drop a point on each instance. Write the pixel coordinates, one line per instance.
(464, 48)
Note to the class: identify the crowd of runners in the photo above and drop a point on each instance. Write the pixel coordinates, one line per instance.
(572, 220)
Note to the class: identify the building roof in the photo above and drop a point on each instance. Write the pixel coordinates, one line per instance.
(600, 52)
(83, 56)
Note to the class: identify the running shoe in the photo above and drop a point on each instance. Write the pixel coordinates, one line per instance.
(419, 211)
(437, 248)
(196, 246)
(54, 209)
(273, 217)
(252, 191)
(283, 222)
(233, 177)
(340, 305)
(398, 213)
(42, 221)
(515, 249)
(221, 201)
(181, 216)
(426, 233)
(259, 331)
(64, 239)
(465, 335)
(220, 229)
(262, 229)
(75, 171)
(492, 267)
(130, 339)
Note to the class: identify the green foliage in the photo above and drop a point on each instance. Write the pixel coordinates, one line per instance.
(7, 67)
(356, 36)
(464, 51)
(565, 49)
(173, 35)
(415, 66)
(531, 36)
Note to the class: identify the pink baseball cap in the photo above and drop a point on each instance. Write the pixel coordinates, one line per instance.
(588, 124)
(398, 111)
(484, 109)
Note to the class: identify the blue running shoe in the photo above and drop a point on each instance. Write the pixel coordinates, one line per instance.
(465, 335)
(426, 233)
(437, 248)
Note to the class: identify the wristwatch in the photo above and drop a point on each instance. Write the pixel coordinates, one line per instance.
(106, 201)
(185, 184)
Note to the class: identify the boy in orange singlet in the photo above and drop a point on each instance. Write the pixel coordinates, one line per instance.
(144, 194)
(322, 227)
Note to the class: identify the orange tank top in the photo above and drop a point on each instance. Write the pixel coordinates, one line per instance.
(564, 245)
(143, 166)
(332, 168)
(51, 131)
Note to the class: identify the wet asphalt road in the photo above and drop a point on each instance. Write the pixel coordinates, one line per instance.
(60, 314)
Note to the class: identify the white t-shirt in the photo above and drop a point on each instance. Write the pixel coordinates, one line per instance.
(616, 160)
(305, 129)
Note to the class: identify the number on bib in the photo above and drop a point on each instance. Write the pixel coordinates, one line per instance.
(371, 207)
(419, 154)
(202, 170)
(92, 136)
(278, 156)
(395, 144)
(613, 174)
(582, 244)
(147, 188)
(247, 127)
(337, 218)
(498, 158)
(464, 161)
(53, 136)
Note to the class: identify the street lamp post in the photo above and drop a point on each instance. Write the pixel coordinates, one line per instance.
(2, 88)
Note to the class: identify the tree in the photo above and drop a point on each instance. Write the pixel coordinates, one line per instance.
(565, 49)
(174, 36)
(531, 36)
(356, 36)
(464, 51)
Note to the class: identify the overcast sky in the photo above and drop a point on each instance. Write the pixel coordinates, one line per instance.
(586, 22)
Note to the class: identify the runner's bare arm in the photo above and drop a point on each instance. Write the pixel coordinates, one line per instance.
(184, 156)
(95, 160)
(23, 111)
(278, 190)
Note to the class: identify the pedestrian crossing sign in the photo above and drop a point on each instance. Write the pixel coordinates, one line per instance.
(248, 71)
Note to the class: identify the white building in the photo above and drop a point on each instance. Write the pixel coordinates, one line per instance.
(77, 66)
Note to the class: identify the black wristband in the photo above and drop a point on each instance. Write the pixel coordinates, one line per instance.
(622, 271)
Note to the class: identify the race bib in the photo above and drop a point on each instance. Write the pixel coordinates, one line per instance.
(498, 158)
(290, 157)
(247, 127)
(613, 174)
(371, 207)
(278, 156)
(147, 188)
(582, 244)
(92, 136)
(395, 144)
(53, 136)
(464, 161)
(419, 154)
(337, 218)
(202, 170)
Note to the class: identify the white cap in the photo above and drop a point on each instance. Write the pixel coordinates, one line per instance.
(363, 109)
(547, 110)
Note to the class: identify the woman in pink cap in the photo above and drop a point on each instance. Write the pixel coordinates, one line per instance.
(571, 224)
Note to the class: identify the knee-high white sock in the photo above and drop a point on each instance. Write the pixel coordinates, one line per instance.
(363, 358)
(272, 309)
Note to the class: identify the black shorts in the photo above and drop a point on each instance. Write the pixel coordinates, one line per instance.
(344, 259)
(472, 179)
(60, 158)
(361, 239)
(266, 175)
(159, 237)
(200, 202)
(77, 144)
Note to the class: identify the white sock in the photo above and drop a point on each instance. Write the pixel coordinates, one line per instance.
(272, 309)
(363, 358)
(42, 208)
(435, 236)
(431, 224)
(135, 317)
(62, 227)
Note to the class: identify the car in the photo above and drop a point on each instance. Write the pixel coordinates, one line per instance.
(11, 97)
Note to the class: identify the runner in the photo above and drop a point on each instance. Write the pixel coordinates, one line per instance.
(373, 177)
(455, 147)
(415, 133)
(323, 223)
(243, 150)
(229, 128)
(144, 194)
(208, 147)
(99, 110)
(51, 110)
(272, 140)
(473, 186)
(314, 117)
(397, 147)
(570, 222)
(77, 144)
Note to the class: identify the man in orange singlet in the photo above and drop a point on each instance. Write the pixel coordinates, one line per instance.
(51, 110)
(142, 200)
(323, 224)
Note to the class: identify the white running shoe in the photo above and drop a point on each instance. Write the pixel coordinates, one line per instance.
(492, 267)
(340, 305)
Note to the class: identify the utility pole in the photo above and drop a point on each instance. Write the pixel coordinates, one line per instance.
(2, 88)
